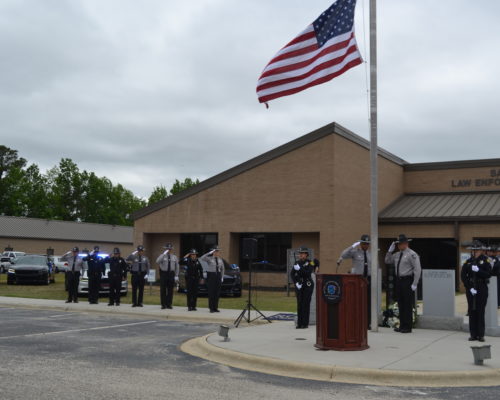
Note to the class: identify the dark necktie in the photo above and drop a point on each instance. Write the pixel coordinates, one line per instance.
(365, 269)
(140, 263)
(399, 262)
(217, 264)
(168, 268)
(74, 260)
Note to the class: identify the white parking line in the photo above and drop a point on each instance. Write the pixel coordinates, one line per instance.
(78, 330)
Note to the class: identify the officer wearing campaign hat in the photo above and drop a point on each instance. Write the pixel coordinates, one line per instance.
(72, 275)
(139, 269)
(117, 273)
(408, 271)
(361, 264)
(301, 275)
(215, 276)
(475, 275)
(193, 276)
(95, 271)
(169, 275)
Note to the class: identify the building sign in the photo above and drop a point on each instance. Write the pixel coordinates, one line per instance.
(332, 289)
(492, 180)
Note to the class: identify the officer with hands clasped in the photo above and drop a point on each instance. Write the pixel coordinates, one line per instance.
(475, 275)
(215, 277)
(361, 264)
(408, 270)
(301, 275)
(75, 268)
(95, 271)
(117, 272)
(193, 275)
(169, 275)
(139, 270)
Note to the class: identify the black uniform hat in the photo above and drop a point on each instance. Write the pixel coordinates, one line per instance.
(116, 250)
(96, 248)
(303, 249)
(75, 249)
(140, 248)
(168, 246)
(365, 239)
(193, 251)
(403, 239)
(477, 245)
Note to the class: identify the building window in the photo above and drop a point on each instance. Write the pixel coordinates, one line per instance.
(202, 242)
(271, 251)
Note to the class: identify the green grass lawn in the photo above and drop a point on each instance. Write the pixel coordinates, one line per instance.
(263, 300)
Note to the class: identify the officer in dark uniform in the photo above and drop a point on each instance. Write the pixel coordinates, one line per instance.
(75, 267)
(475, 275)
(193, 275)
(95, 270)
(117, 272)
(139, 270)
(304, 285)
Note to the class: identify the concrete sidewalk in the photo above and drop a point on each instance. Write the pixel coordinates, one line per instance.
(423, 358)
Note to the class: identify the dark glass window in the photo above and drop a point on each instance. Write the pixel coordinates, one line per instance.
(202, 242)
(271, 251)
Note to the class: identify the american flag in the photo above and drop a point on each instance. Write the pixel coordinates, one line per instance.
(325, 49)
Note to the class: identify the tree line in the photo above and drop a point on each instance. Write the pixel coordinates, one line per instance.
(66, 193)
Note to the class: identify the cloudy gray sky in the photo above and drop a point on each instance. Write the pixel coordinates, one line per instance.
(148, 91)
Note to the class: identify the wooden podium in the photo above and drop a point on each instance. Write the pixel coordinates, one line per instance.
(341, 314)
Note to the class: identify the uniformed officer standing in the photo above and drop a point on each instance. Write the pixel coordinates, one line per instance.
(301, 275)
(75, 268)
(139, 269)
(169, 275)
(193, 276)
(95, 270)
(117, 272)
(215, 277)
(475, 275)
(361, 265)
(408, 270)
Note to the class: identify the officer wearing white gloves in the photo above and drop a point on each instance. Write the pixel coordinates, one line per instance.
(75, 268)
(301, 275)
(169, 275)
(361, 264)
(215, 277)
(408, 271)
(475, 275)
(139, 269)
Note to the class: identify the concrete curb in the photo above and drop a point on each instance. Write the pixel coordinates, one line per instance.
(199, 347)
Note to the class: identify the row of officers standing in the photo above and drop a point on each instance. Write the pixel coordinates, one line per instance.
(138, 265)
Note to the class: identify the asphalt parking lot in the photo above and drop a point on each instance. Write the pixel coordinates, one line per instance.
(65, 355)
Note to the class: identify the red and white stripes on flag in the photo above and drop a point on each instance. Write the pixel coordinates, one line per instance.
(303, 63)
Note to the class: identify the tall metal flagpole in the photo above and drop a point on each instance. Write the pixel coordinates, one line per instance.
(374, 167)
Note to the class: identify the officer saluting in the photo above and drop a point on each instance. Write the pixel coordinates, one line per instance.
(475, 275)
(95, 271)
(304, 285)
(215, 277)
(194, 275)
(75, 267)
(361, 264)
(169, 275)
(139, 269)
(408, 271)
(117, 272)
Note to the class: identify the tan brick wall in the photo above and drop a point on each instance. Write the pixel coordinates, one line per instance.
(450, 180)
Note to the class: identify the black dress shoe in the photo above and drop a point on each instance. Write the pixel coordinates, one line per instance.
(134, 305)
(140, 305)
(217, 310)
(481, 339)
(169, 307)
(471, 339)
(405, 331)
(397, 330)
(110, 304)
(212, 311)
(68, 301)
(298, 327)
(194, 309)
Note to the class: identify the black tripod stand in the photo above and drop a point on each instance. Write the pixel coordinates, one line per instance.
(249, 305)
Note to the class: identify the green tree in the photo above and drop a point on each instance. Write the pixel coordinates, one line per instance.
(159, 193)
(11, 174)
(180, 186)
